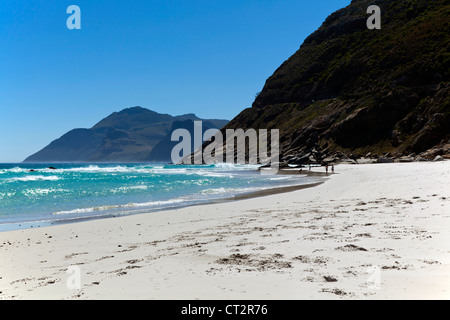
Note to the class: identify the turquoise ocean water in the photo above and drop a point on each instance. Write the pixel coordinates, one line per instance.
(76, 191)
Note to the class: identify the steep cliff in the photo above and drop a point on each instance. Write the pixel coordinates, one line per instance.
(354, 90)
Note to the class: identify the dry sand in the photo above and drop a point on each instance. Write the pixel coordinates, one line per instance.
(379, 231)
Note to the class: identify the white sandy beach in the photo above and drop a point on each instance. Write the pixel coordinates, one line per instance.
(377, 231)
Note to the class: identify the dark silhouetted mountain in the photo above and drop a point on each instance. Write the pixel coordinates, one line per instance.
(126, 136)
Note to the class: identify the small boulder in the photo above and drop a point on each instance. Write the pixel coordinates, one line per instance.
(406, 159)
(348, 161)
(385, 160)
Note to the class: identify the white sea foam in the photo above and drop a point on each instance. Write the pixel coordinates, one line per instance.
(125, 189)
(216, 174)
(229, 190)
(215, 191)
(16, 170)
(122, 169)
(226, 165)
(6, 195)
(172, 171)
(143, 169)
(156, 203)
(280, 178)
(33, 192)
(90, 169)
(85, 210)
(34, 178)
(113, 207)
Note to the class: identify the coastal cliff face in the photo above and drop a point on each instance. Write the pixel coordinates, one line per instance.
(349, 89)
(131, 135)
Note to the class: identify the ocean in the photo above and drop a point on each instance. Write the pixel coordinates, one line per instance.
(33, 195)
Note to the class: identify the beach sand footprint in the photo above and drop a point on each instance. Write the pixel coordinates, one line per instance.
(253, 262)
(351, 247)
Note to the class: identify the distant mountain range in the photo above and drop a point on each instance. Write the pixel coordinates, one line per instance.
(131, 135)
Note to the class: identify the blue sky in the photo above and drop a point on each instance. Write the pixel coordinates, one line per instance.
(208, 57)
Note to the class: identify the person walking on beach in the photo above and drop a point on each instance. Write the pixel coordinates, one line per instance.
(326, 168)
(332, 168)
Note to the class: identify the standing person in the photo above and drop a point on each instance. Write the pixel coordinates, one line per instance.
(326, 168)
(332, 168)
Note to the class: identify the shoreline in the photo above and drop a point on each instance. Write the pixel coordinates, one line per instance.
(315, 243)
(248, 195)
(23, 225)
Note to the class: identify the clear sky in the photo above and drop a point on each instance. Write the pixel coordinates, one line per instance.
(208, 57)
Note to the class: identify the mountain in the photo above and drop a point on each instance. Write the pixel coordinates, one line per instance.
(126, 136)
(349, 89)
(165, 146)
